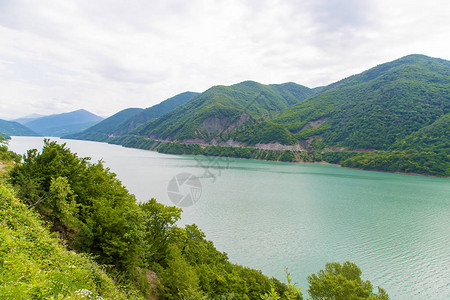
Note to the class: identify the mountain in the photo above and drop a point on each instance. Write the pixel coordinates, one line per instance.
(28, 118)
(434, 137)
(219, 110)
(153, 112)
(127, 120)
(63, 124)
(101, 131)
(374, 109)
(9, 128)
(393, 117)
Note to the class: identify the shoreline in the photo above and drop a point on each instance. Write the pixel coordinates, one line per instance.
(156, 144)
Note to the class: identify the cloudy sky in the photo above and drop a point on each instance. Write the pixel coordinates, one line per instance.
(104, 55)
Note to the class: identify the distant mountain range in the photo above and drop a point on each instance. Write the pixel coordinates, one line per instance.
(393, 117)
(28, 118)
(127, 120)
(63, 124)
(54, 125)
(12, 128)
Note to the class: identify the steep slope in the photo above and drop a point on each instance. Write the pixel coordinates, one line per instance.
(35, 265)
(212, 114)
(64, 124)
(434, 137)
(376, 108)
(101, 131)
(14, 128)
(153, 112)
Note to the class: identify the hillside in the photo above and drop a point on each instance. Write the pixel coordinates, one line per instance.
(35, 265)
(434, 137)
(153, 112)
(220, 109)
(64, 124)
(101, 131)
(12, 128)
(375, 109)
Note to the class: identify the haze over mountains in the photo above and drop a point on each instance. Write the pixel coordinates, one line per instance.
(11, 128)
(127, 120)
(54, 125)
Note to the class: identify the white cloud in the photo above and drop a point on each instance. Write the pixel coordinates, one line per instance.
(105, 56)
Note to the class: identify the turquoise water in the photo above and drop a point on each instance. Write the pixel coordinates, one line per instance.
(269, 215)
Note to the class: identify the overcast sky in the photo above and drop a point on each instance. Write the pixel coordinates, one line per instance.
(104, 56)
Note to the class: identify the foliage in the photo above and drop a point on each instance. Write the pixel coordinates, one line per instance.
(84, 202)
(376, 108)
(88, 207)
(221, 108)
(33, 265)
(434, 137)
(292, 292)
(402, 161)
(342, 282)
(153, 112)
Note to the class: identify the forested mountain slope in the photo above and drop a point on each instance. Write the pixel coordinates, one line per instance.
(220, 109)
(101, 131)
(377, 108)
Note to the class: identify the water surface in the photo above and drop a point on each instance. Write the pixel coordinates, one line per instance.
(268, 215)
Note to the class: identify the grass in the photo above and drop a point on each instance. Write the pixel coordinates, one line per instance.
(34, 265)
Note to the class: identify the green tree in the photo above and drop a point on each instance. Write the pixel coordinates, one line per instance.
(342, 282)
(160, 230)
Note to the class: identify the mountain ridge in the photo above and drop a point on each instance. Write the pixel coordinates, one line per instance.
(396, 111)
(64, 123)
(13, 128)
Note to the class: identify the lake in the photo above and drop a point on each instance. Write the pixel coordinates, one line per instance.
(268, 215)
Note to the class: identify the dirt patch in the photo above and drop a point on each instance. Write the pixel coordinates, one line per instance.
(314, 124)
(279, 147)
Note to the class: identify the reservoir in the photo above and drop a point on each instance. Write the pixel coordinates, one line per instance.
(271, 215)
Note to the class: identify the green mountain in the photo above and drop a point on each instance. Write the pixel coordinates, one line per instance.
(153, 112)
(8, 128)
(127, 120)
(64, 124)
(220, 109)
(101, 131)
(375, 109)
(434, 137)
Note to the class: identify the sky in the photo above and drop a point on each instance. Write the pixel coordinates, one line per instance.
(106, 55)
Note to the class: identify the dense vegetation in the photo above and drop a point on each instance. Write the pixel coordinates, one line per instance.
(8, 128)
(394, 117)
(342, 282)
(89, 208)
(223, 151)
(378, 107)
(154, 112)
(107, 245)
(217, 111)
(33, 265)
